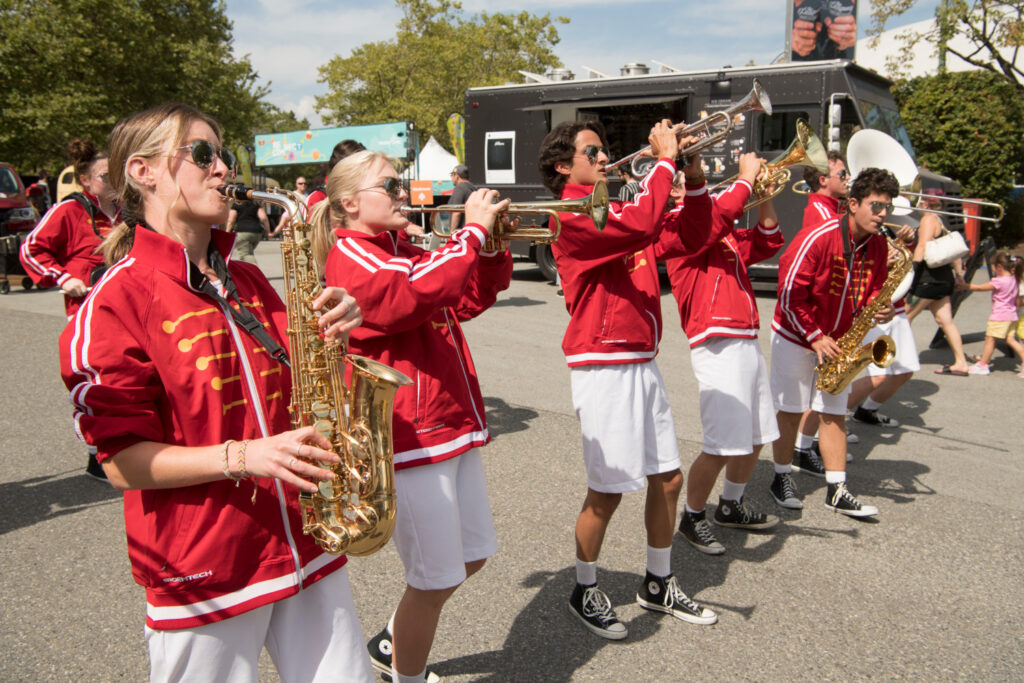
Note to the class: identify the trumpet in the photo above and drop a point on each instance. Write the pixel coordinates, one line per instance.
(594, 205)
(805, 150)
(712, 129)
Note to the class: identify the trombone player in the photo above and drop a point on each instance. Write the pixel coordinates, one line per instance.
(612, 293)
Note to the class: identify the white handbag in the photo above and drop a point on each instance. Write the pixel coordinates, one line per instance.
(945, 249)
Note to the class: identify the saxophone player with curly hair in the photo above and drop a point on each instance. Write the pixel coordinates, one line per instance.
(827, 275)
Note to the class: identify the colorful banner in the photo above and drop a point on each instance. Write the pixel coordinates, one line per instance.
(821, 29)
(315, 146)
(457, 131)
(245, 165)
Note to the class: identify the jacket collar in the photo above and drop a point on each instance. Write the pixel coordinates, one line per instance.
(161, 253)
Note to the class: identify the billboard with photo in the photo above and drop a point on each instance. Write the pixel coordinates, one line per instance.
(821, 29)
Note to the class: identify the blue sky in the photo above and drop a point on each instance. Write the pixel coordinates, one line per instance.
(288, 39)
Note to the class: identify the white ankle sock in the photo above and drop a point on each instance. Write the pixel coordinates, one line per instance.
(834, 477)
(586, 572)
(868, 404)
(731, 490)
(659, 561)
(783, 469)
(804, 441)
(399, 678)
(690, 509)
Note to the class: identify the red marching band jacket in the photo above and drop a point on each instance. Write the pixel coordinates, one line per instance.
(819, 293)
(151, 358)
(610, 277)
(712, 287)
(412, 302)
(63, 245)
(820, 207)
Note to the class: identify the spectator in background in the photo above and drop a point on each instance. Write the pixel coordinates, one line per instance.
(463, 188)
(300, 186)
(39, 193)
(933, 286)
(249, 221)
(631, 188)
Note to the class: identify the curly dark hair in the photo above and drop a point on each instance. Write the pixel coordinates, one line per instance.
(874, 181)
(812, 176)
(560, 146)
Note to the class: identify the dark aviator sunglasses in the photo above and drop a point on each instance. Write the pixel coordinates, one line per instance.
(392, 187)
(204, 152)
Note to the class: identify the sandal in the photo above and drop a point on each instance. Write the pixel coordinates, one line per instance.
(947, 370)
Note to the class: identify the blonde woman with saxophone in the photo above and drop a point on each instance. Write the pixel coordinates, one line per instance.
(827, 274)
(443, 531)
(185, 402)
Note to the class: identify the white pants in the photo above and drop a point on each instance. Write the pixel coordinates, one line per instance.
(793, 375)
(313, 636)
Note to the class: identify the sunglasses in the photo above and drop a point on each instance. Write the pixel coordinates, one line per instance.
(204, 153)
(393, 187)
(879, 207)
(843, 175)
(590, 152)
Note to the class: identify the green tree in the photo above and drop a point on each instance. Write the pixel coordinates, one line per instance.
(975, 140)
(989, 25)
(422, 74)
(73, 68)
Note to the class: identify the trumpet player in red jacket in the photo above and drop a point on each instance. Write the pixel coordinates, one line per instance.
(719, 315)
(612, 294)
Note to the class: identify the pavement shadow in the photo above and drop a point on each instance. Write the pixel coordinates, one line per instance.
(504, 419)
(39, 499)
(546, 642)
(518, 301)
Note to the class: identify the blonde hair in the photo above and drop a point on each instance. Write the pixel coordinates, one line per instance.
(344, 182)
(144, 135)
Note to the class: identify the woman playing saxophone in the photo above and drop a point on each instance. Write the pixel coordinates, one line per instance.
(185, 403)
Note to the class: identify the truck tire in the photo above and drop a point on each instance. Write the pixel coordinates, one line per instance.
(545, 260)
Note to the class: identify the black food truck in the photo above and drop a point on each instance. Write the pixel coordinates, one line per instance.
(506, 124)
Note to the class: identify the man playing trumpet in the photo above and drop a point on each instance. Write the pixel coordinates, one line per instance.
(612, 294)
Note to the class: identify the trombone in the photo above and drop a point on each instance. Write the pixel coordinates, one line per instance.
(594, 205)
(805, 150)
(712, 129)
(872, 148)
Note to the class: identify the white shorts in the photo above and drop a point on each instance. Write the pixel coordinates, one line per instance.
(623, 408)
(312, 636)
(906, 348)
(443, 521)
(736, 409)
(792, 379)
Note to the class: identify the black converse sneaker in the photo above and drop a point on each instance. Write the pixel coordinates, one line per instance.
(594, 609)
(784, 491)
(872, 417)
(94, 469)
(807, 461)
(735, 514)
(665, 595)
(696, 530)
(839, 499)
(380, 657)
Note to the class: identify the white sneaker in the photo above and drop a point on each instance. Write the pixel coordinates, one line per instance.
(852, 438)
(979, 368)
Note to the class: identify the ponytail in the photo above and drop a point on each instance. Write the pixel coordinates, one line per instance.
(118, 243)
(321, 237)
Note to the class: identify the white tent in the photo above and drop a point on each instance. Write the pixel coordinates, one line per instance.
(435, 163)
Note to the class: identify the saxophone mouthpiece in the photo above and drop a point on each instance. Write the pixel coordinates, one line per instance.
(238, 192)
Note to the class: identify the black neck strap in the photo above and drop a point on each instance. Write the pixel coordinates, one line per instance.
(242, 315)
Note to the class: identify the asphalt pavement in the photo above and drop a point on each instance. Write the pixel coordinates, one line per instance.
(929, 590)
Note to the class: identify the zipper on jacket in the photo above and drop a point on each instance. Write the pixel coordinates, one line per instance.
(261, 420)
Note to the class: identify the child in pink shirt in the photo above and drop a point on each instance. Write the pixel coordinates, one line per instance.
(1004, 285)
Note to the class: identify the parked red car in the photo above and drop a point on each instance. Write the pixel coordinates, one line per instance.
(17, 218)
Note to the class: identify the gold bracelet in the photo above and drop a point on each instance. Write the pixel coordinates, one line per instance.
(224, 462)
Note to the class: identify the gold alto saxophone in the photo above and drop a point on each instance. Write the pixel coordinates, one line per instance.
(834, 374)
(353, 513)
